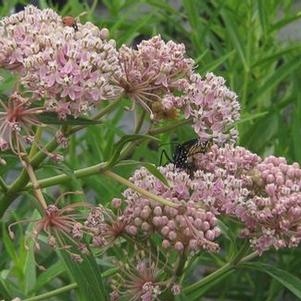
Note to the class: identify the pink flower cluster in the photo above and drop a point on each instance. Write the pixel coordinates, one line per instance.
(152, 71)
(24, 34)
(213, 108)
(187, 226)
(265, 195)
(71, 69)
(160, 78)
(272, 214)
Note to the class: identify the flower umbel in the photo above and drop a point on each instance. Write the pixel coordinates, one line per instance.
(189, 226)
(152, 71)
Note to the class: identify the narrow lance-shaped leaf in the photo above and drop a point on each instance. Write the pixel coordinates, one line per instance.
(122, 142)
(291, 282)
(87, 275)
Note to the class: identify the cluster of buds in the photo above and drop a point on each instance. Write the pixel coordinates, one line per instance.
(263, 194)
(186, 226)
(272, 214)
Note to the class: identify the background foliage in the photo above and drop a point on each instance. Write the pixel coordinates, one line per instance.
(240, 40)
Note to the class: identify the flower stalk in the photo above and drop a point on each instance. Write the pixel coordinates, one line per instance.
(142, 191)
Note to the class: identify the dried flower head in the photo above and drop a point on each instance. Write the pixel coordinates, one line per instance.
(17, 120)
(140, 279)
(105, 225)
(63, 227)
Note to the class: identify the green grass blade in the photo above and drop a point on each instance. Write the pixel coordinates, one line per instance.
(276, 77)
(236, 39)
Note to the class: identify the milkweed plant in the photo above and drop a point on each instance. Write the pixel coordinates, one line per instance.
(153, 239)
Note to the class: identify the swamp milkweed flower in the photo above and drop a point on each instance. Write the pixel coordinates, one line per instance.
(152, 71)
(72, 70)
(266, 198)
(24, 34)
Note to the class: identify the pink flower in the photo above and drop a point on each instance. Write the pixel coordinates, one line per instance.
(152, 71)
(24, 34)
(74, 71)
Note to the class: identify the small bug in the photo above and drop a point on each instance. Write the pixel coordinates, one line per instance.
(70, 21)
(183, 155)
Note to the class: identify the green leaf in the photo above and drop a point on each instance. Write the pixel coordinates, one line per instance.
(262, 15)
(197, 289)
(87, 275)
(149, 166)
(215, 64)
(4, 290)
(285, 21)
(30, 273)
(276, 77)
(51, 273)
(52, 118)
(231, 28)
(291, 282)
(122, 142)
(275, 56)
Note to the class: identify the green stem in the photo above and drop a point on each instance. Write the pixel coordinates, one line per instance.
(14, 189)
(109, 108)
(168, 128)
(19, 184)
(219, 273)
(3, 185)
(69, 287)
(80, 173)
(181, 264)
(52, 293)
(36, 142)
(84, 172)
(139, 190)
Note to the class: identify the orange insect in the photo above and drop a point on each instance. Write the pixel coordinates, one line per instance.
(70, 21)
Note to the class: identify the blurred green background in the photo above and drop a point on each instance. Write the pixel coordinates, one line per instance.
(254, 44)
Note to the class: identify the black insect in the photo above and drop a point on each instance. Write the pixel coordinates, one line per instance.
(183, 155)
